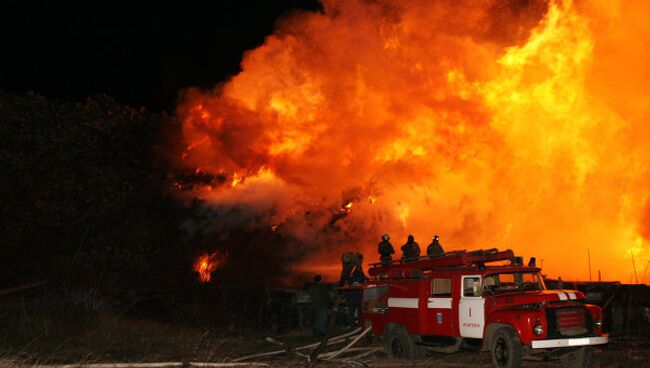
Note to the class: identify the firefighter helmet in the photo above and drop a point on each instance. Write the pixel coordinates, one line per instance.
(385, 237)
(347, 257)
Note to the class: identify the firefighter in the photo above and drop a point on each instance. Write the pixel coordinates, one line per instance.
(358, 276)
(348, 263)
(434, 250)
(320, 301)
(353, 297)
(352, 266)
(410, 250)
(386, 250)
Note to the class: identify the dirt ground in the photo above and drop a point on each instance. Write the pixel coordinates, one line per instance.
(609, 356)
(124, 340)
(228, 349)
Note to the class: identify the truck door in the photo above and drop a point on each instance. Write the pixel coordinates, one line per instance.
(471, 307)
(439, 305)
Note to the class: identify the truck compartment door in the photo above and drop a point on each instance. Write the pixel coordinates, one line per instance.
(439, 307)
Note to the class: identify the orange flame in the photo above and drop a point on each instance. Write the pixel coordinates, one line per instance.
(520, 126)
(236, 179)
(206, 264)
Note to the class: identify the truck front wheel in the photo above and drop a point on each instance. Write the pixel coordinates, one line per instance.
(505, 348)
(400, 345)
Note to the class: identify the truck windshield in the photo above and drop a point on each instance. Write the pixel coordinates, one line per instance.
(512, 282)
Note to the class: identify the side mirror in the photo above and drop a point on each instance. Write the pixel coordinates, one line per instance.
(532, 262)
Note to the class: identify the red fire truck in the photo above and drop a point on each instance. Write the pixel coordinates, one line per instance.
(485, 298)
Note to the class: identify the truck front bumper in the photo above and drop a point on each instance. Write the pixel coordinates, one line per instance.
(564, 343)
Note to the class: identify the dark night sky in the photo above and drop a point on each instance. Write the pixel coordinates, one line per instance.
(141, 53)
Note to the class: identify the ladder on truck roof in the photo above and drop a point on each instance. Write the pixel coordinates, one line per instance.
(461, 258)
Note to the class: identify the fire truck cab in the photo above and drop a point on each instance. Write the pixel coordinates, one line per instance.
(484, 298)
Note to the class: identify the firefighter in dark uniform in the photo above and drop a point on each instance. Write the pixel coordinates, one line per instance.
(348, 263)
(410, 250)
(434, 250)
(353, 297)
(321, 302)
(352, 263)
(386, 250)
(357, 274)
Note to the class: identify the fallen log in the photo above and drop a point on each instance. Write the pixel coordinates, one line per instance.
(16, 289)
(151, 365)
(287, 348)
(351, 343)
(274, 341)
(333, 341)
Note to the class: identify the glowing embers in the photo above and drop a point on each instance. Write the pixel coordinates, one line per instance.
(208, 263)
(346, 208)
(202, 180)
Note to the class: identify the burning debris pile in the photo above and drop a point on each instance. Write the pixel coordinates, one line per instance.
(489, 123)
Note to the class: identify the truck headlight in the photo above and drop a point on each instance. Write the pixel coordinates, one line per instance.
(538, 329)
(598, 323)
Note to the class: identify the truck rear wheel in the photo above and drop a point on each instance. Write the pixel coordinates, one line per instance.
(400, 345)
(505, 348)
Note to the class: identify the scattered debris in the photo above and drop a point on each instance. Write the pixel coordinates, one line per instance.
(317, 345)
(154, 365)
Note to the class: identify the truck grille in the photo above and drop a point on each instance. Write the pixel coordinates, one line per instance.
(571, 321)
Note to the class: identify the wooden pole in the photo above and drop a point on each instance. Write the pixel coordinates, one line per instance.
(22, 287)
(599, 279)
(589, 262)
(634, 267)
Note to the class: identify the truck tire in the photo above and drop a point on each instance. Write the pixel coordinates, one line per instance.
(400, 345)
(505, 348)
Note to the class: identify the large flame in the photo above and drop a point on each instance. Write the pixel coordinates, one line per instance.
(514, 124)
